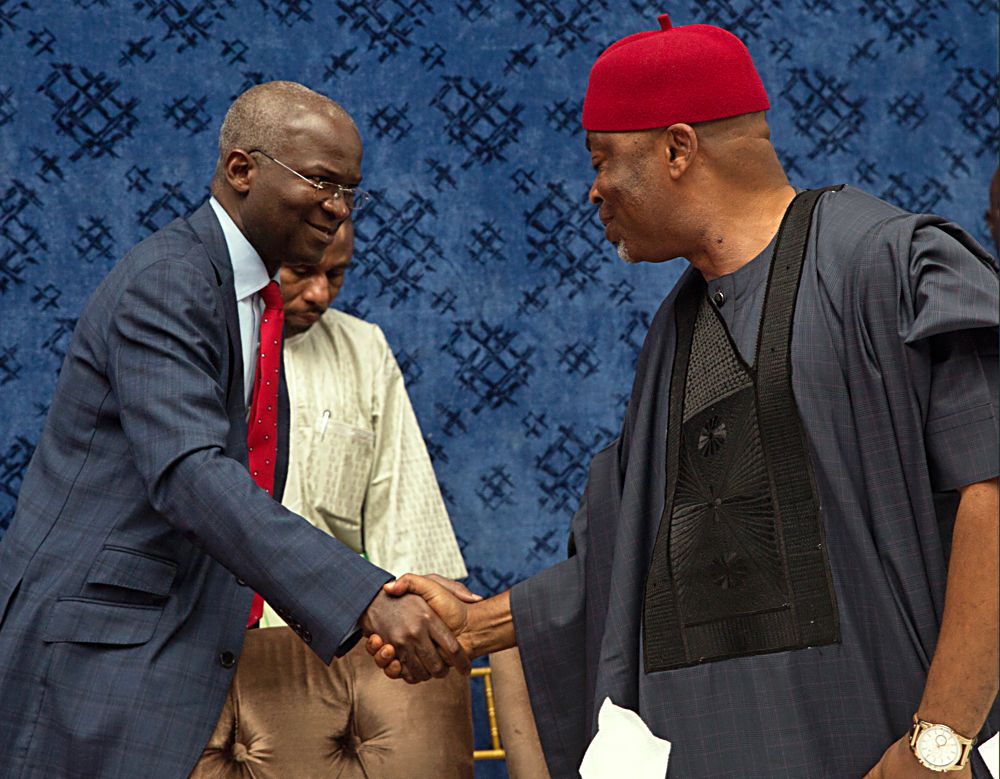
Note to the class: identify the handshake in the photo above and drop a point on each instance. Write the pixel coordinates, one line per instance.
(418, 627)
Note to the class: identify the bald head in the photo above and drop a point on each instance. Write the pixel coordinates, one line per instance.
(280, 145)
(260, 117)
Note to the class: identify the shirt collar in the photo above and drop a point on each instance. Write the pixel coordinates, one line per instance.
(746, 279)
(249, 273)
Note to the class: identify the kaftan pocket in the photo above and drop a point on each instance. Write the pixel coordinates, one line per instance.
(340, 471)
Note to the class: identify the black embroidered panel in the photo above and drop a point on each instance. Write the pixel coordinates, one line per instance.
(720, 373)
(724, 553)
(738, 567)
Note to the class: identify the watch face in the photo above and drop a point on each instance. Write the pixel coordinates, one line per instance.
(938, 747)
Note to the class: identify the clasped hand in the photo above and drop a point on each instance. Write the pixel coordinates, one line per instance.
(414, 627)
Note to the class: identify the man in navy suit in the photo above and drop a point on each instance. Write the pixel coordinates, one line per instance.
(128, 571)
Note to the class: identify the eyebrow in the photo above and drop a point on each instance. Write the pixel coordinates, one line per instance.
(328, 173)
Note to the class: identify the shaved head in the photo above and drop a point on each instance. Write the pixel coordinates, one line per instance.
(747, 126)
(738, 147)
(739, 151)
(276, 141)
(258, 119)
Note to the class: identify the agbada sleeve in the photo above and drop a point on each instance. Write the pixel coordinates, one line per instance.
(559, 623)
(955, 304)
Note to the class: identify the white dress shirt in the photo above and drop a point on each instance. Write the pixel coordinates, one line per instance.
(249, 277)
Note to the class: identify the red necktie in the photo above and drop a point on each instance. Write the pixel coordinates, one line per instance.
(262, 427)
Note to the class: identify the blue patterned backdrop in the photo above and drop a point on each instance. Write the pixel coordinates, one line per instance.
(515, 324)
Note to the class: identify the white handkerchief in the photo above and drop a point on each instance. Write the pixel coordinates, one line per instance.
(623, 747)
(991, 755)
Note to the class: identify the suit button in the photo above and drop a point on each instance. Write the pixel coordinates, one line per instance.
(719, 297)
(227, 659)
(306, 636)
(241, 582)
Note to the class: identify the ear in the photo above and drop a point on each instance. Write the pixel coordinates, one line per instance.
(680, 147)
(240, 169)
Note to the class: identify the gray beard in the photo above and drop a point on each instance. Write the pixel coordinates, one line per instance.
(623, 253)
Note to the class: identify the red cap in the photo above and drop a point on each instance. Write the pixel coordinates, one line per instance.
(696, 73)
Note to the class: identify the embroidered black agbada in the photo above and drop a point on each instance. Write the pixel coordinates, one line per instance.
(894, 376)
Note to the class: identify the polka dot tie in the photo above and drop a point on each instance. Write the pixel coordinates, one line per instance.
(262, 427)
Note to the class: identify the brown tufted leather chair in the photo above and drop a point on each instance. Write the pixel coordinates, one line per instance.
(289, 716)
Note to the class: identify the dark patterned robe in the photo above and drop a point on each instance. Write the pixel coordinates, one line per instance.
(894, 367)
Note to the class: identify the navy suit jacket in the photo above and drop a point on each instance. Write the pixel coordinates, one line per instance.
(139, 537)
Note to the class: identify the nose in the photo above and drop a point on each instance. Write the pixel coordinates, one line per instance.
(594, 194)
(336, 206)
(318, 291)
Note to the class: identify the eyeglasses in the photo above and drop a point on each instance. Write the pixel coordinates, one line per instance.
(355, 199)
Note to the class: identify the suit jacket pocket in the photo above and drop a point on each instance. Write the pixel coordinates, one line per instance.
(116, 566)
(85, 621)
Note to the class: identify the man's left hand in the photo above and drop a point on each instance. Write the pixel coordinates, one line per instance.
(899, 762)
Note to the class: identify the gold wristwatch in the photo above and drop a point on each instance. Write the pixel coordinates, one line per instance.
(938, 747)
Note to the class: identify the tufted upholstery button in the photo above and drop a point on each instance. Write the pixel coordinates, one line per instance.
(227, 659)
(332, 720)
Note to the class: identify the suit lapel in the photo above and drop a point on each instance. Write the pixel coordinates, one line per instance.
(206, 225)
(284, 427)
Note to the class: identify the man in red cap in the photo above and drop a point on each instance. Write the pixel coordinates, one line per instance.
(758, 567)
